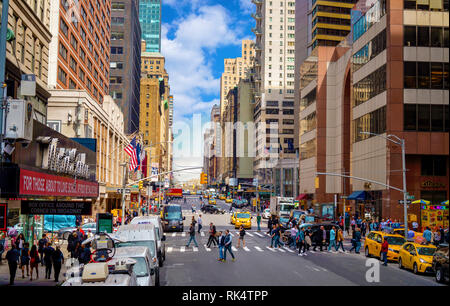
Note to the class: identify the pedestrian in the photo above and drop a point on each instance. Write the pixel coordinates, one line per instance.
(258, 221)
(241, 237)
(200, 223)
(2, 245)
(384, 251)
(212, 235)
(221, 244)
(227, 242)
(48, 253)
(293, 237)
(437, 236)
(272, 235)
(192, 208)
(277, 234)
(332, 239)
(269, 225)
(308, 242)
(41, 245)
(12, 256)
(25, 259)
(363, 228)
(301, 243)
(427, 235)
(20, 241)
(319, 238)
(84, 254)
(353, 224)
(34, 261)
(58, 260)
(442, 233)
(356, 241)
(192, 235)
(340, 240)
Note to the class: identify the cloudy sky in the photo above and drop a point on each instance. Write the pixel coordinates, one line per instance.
(196, 36)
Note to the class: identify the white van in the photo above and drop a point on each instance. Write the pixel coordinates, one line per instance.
(160, 237)
(140, 235)
(142, 267)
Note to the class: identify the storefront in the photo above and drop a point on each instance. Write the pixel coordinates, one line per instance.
(365, 204)
(52, 175)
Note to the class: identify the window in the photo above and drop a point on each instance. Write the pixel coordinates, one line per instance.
(433, 165)
(63, 51)
(437, 37)
(72, 84)
(288, 112)
(117, 35)
(73, 64)
(373, 122)
(423, 36)
(117, 20)
(425, 118)
(426, 75)
(62, 76)
(308, 100)
(81, 74)
(308, 123)
(116, 50)
(370, 86)
(369, 51)
(63, 27)
(426, 5)
(410, 117)
(308, 149)
(409, 72)
(83, 34)
(73, 42)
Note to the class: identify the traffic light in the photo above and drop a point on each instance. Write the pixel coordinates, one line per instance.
(204, 178)
(141, 185)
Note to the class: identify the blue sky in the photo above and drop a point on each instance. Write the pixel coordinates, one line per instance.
(196, 36)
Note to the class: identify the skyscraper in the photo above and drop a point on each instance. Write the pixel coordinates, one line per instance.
(150, 19)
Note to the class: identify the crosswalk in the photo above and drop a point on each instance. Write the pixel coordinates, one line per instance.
(184, 249)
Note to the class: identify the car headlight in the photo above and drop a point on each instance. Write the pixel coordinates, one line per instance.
(423, 261)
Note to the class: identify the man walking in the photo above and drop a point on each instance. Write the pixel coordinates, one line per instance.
(258, 221)
(192, 236)
(340, 240)
(332, 239)
(427, 235)
(384, 251)
(276, 237)
(212, 235)
(301, 242)
(221, 244)
(41, 245)
(48, 254)
(228, 241)
(319, 238)
(200, 224)
(12, 256)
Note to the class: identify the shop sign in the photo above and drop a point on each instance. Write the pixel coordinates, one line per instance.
(42, 184)
(431, 184)
(3, 216)
(56, 208)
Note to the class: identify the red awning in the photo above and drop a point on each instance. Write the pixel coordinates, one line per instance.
(302, 196)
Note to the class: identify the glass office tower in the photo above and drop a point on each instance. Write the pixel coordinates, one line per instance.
(150, 20)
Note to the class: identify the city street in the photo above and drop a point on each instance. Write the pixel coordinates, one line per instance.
(256, 264)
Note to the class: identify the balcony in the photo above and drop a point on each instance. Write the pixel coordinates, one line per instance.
(257, 47)
(257, 16)
(257, 2)
(257, 31)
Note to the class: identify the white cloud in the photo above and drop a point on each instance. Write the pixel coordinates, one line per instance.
(246, 6)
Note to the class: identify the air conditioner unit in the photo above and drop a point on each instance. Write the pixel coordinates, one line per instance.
(19, 120)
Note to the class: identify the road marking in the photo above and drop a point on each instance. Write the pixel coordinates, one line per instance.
(271, 249)
(259, 234)
(249, 234)
(234, 249)
(202, 234)
(259, 249)
(246, 249)
(182, 249)
(315, 269)
(169, 249)
(174, 234)
(183, 234)
(288, 249)
(195, 249)
(312, 251)
(281, 250)
(206, 248)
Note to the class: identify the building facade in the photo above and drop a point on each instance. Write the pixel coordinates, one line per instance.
(79, 52)
(150, 20)
(125, 65)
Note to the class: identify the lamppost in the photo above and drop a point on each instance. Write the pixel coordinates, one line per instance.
(400, 142)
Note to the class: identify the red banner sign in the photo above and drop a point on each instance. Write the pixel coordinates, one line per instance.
(37, 183)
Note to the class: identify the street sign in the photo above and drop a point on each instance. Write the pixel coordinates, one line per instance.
(401, 202)
(343, 197)
(127, 190)
(410, 197)
(255, 181)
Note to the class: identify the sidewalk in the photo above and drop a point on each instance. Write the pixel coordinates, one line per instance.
(41, 281)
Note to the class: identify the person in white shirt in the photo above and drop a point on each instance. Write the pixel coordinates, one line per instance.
(199, 221)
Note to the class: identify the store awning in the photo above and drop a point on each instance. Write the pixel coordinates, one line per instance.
(302, 196)
(358, 195)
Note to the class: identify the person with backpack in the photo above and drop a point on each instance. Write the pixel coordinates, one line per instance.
(41, 245)
(192, 235)
(25, 259)
(227, 245)
(34, 262)
(241, 237)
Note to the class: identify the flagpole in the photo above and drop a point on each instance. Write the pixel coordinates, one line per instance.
(123, 191)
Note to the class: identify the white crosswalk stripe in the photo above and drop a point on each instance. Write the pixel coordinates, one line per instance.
(246, 249)
(281, 250)
(183, 234)
(249, 234)
(202, 234)
(259, 234)
(169, 249)
(259, 249)
(231, 234)
(182, 249)
(289, 250)
(195, 249)
(174, 234)
(270, 249)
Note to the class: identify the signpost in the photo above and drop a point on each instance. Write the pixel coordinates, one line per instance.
(402, 202)
(127, 190)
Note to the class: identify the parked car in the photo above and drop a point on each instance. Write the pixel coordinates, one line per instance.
(64, 233)
(160, 237)
(416, 257)
(211, 209)
(440, 263)
(142, 267)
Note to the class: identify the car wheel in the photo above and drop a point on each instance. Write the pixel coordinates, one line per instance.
(439, 275)
(400, 264)
(415, 269)
(66, 235)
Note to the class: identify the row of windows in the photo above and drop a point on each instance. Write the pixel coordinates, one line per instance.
(425, 36)
(331, 20)
(426, 5)
(426, 118)
(333, 32)
(331, 9)
(370, 86)
(374, 122)
(433, 165)
(371, 17)
(426, 75)
(369, 51)
(308, 100)
(308, 149)
(308, 124)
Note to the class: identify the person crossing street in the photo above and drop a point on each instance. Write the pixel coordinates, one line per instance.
(212, 235)
(221, 244)
(192, 235)
(227, 243)
(200, 223)
(332, 239)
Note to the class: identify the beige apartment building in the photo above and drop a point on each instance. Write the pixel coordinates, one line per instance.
(75, 114)
(28, 53)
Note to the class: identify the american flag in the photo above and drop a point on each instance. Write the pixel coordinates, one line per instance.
(131, 150)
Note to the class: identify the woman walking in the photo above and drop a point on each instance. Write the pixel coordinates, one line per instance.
(241, 237)
(340, 240)
(25, 259)
(34, 262)
(20, 241)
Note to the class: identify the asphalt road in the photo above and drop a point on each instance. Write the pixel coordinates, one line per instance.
(258, 265)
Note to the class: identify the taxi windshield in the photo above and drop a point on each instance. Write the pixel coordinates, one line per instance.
(243, 216)
(426, 251)
(140, 268)
(395, 240)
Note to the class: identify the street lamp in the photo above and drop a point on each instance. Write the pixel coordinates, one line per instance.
(400, 142)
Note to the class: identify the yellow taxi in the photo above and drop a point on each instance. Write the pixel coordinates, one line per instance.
(222, 197)
(212, 201)
(233, 217)
(229, 200)
(206, 196)
(244, 219)
(401, 232)
(417, 257)
(193, 192)
(374, 240)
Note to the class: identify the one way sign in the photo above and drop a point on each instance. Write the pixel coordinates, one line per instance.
(407, 202)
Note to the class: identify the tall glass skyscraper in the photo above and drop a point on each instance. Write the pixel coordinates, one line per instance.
(150, 20)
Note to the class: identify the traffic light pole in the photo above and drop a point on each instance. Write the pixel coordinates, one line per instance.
(3, 32)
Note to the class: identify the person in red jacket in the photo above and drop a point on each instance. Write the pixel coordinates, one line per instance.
(384, 251)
